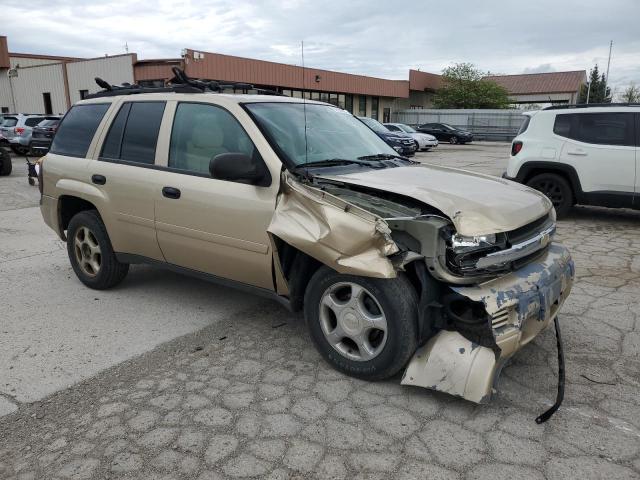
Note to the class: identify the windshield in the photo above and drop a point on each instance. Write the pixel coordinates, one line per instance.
(374, 125)
(407, 128)
(331, 133)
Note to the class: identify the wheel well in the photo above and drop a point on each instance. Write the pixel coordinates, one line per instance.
(297, 268)
(69, 206)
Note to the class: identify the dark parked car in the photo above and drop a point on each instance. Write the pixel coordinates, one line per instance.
(42, 135)
(446, 133)
(403, 143)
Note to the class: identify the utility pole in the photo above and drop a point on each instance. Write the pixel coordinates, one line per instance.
(606, 80)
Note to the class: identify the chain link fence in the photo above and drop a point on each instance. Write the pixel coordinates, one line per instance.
(497, 125)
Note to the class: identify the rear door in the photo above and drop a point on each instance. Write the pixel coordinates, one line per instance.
(126, 176)
(210, 225)
(601, 148)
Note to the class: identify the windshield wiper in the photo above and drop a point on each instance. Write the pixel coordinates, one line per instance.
(330, 162)
(381, 156)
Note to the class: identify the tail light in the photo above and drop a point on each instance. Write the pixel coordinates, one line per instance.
(515, 148)
(18, 130)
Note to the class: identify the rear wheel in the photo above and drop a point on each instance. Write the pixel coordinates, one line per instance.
(364, 327)
(5, 162)
(453, 140)
(91, 254)
(19, 149)
(556, 188)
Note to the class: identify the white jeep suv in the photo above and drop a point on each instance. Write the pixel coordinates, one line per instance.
(580, 154)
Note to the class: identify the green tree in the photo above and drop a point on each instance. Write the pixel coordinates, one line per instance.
(599, 92)
(464, 86)
(631, 94)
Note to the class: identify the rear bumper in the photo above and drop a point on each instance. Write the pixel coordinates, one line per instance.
(40, 144)
(49, 210)
(519, 306)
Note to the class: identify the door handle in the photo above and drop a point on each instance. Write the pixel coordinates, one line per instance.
(171, 192)
(576, 152)
(99, 179)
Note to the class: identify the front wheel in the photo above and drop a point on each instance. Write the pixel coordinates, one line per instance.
(91, 254)
(364, 327)
(557, 189)
(5, 162)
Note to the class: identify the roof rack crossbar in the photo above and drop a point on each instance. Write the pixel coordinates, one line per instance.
(587, 105)
(180, 83)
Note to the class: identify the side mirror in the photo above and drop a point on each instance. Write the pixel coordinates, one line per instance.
(240, 168)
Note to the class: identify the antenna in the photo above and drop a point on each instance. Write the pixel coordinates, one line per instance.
(304, 108)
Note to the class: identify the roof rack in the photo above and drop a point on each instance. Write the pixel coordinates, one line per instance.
(180, 83)
(588, 105)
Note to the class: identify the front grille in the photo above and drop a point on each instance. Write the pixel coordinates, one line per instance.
(527, 231)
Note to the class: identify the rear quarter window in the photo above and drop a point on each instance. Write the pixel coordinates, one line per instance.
(562, 125)
(525, 124)
(9, 122)
(33, 121)
(77, 129)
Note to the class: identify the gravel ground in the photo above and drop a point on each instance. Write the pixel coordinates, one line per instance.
(248, 396)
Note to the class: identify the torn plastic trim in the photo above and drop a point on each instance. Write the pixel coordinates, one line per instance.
(519, 305)
(341, 235)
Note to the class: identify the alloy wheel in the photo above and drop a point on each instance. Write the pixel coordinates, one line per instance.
(453, 140)
(353, 322)
(551, 189)
(88, 253)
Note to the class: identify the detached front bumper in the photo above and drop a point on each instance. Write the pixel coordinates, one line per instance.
(518, 305)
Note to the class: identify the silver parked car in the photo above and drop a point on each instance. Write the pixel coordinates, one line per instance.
(16, 130)
(424, 141)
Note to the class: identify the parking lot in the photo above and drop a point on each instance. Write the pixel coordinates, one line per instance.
(170, 377)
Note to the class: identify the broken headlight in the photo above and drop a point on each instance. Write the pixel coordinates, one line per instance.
(464, 251)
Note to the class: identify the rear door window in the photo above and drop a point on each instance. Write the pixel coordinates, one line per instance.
(605, 128)
(77, 129)
(133, 135)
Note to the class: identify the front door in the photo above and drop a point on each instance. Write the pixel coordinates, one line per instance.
(213, 226)
(601, 148)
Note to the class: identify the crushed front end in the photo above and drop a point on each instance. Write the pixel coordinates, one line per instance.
(485, 324)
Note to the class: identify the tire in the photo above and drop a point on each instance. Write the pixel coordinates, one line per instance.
(390, 301)
(453, 140)
(20, 150)
(91, 254)
(557, 189)
(417, 145)
(6, 166)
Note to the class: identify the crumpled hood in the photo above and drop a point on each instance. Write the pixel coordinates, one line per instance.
(477, 204)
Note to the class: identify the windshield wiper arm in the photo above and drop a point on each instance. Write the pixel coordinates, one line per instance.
(331, 162)
(380, 156)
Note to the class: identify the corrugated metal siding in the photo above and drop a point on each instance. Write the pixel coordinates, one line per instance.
(555, 82)
(144, 71)
(424, 81)
(115, 70)
(32, 82)
(484, 124)
(5, 92)
(259, 72)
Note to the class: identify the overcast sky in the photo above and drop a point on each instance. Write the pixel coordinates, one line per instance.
(376, 38)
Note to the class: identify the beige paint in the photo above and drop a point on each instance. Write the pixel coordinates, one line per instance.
(476, 204)
(343, 236)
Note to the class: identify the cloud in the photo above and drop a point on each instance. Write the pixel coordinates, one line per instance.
(360, 36)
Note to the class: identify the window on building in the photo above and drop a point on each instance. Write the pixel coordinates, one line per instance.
(315, 95)
(76, 131)
(200, 132)
(134, 133)
(362, 106)
(307, 95)
(286, 92)
(374, 107)
(5, 110)
(348, 103)
(386, 115)
(324, 97)
(83, 94)
(341, 101)
(46, 98)
(333, 99)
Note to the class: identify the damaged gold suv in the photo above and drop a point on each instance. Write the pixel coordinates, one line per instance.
(396, 264)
